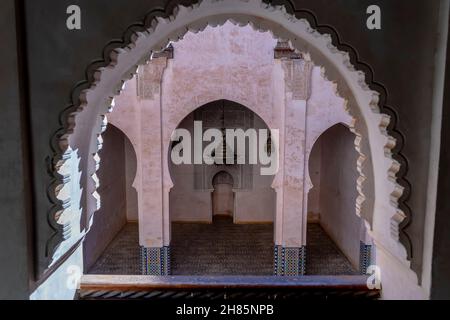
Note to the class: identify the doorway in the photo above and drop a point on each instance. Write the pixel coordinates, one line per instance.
(223, 195)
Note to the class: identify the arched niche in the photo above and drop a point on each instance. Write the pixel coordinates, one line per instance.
(333, 174)
(190, 183)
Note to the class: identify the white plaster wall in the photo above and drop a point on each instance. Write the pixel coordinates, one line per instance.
(324, 108)
(126, 117)
(194, 206)
(259, 203)
(397, 280)
(255, 207)
(315, 162)
(111, 217)
(229, 62)
(232, 63)
(236, 64)
(188, 204)
(338, 191)
(131, 169)
(140, 120)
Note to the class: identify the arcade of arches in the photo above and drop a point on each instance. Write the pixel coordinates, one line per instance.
(159, 218)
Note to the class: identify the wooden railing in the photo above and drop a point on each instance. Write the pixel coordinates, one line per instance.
(224, 287)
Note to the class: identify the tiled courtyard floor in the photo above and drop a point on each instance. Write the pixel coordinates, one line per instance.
(222, 248)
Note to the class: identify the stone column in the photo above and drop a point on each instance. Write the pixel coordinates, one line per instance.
(153, 207)
(290, 250)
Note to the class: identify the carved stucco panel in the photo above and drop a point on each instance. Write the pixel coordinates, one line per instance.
(149, 78)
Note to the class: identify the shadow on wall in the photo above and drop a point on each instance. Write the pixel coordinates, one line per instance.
(118, 197)
(331, 201)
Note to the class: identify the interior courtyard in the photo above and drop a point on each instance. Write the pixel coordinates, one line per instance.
(211, 148)
(224, 218)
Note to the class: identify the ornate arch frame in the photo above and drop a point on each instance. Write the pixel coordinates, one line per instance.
(383, 204)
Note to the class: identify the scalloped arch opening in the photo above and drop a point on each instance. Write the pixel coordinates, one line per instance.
(379, 188)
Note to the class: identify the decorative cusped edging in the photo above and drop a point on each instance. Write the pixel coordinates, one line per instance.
(396, 141)
(121, 58)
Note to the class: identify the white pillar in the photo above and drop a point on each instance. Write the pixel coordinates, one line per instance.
(291, 217)
(154, 228)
